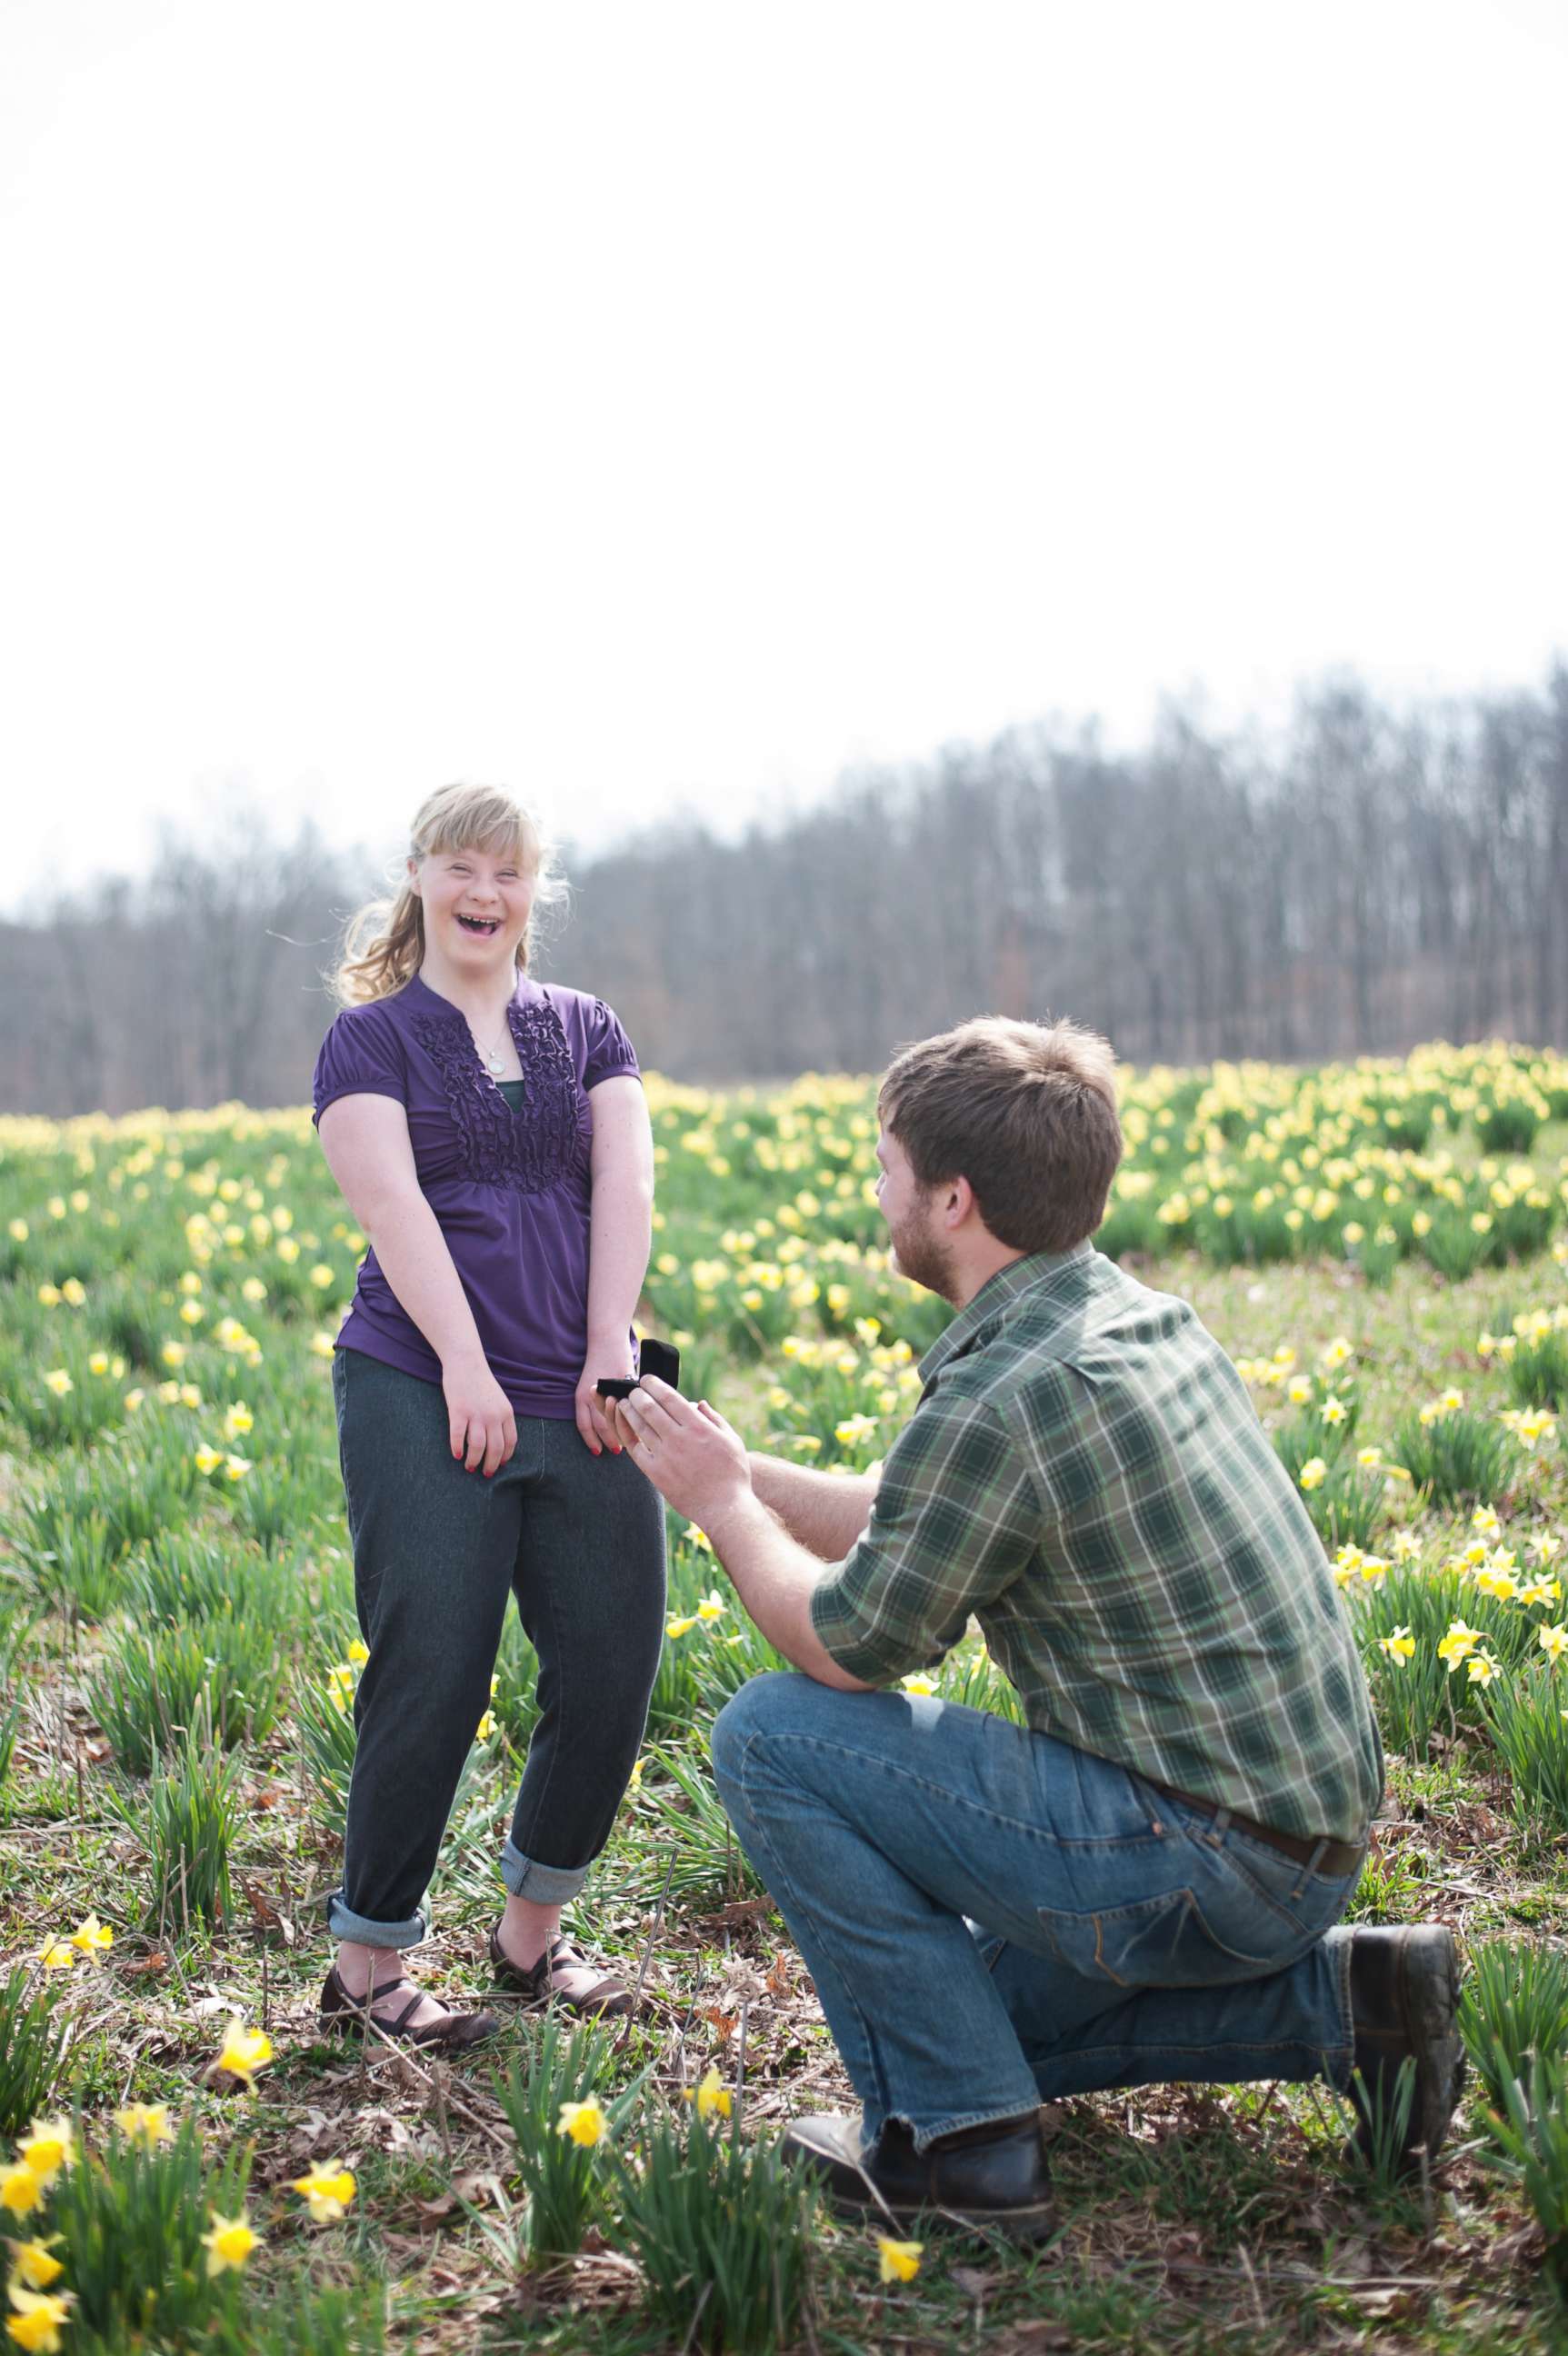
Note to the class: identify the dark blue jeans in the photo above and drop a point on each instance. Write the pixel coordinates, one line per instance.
(579, 1541)
(993, 1919)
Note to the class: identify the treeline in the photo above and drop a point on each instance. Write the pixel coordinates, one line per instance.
(1370, 881)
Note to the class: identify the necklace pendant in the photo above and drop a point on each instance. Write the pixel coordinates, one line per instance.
(496, 1061)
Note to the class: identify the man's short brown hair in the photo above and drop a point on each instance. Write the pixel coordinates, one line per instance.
(1026, 1112)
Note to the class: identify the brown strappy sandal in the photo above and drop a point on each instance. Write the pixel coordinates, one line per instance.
(562, 1975)
(343, 2015)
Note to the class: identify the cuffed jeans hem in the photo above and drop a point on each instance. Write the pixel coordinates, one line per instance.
(541, 1885)
(925, 2137)
(344, 1923)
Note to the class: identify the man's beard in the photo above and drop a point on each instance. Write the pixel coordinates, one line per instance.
(922, 1257)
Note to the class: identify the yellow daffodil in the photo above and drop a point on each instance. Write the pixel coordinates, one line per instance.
(20, 2189)
(1458, 1645)
(1481, 1668)
(853, 1429)
(58, 1381)
(1484, 1519)
(1554, 1640)
(237, 1420)
(36, 2325)
(245, 2051)
(1399, 1644)
(711, 2094)
(1333, 1410)
(34, 2263)
(918, 1682)
(486, 1727)
(48, 2146)
(236, 1467)
(208, 1459)
(57, 1955)
(359, 1652)
(583, 2122)
(146, 2123)
(328, 2188)
(229, 2242)
(713, 1606)
(91, 1936)
(899, 2261)
(680, 1627)
(1313, 1473)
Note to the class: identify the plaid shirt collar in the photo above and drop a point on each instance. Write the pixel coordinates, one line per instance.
(1036, 1274)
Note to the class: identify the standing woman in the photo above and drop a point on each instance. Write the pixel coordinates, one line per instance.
(490, 1137)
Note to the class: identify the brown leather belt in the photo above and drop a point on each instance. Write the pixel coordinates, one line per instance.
(1330, 1855)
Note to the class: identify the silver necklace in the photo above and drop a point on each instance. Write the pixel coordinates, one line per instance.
(495, 1060)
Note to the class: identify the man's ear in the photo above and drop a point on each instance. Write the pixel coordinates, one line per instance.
(959, 1203)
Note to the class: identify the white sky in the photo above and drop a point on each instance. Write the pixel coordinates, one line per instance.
(663, 406)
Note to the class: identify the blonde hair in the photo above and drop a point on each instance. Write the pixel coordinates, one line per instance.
(384, 944)
(1026, 1112)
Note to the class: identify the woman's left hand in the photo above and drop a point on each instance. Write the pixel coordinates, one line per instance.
(593, 1417)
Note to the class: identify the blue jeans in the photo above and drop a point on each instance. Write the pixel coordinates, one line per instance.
(993, 1919)
(579, 1541)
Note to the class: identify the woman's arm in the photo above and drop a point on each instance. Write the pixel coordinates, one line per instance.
(620, 1234)
(366, 1141)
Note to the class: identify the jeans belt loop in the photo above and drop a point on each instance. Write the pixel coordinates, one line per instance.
(1310, 1868)
(1302, 1851)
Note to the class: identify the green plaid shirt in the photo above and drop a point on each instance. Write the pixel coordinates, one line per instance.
(1085, 1473)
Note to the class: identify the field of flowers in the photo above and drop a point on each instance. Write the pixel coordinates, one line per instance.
(185, 2164)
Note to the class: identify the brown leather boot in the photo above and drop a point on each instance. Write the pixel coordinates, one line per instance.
(993, 2175)
(1404, 2000)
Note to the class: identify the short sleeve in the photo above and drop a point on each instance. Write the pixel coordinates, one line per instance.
(609, 1049)
(955, 1521)
(361, 1056)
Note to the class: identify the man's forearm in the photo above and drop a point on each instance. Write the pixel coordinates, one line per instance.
(823, 1512)
(775, 1579)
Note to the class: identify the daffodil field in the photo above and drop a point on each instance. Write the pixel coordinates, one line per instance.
(187, 2164)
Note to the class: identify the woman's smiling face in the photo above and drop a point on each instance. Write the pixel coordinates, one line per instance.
(475, 904)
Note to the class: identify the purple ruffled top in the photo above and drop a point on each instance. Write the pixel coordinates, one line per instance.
(511, 1190)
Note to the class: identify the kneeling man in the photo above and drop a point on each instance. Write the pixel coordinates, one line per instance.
(1141, 1883)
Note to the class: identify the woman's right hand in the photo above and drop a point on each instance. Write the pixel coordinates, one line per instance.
(482, 1427)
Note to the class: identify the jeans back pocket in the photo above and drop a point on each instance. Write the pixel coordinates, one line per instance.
(1163, 1941)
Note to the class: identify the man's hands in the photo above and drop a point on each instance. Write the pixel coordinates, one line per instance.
(481, 1426)
(694, 1459)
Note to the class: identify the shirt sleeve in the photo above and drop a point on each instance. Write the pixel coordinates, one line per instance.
(955, 1521)
(361, 1056)
(609, 1049)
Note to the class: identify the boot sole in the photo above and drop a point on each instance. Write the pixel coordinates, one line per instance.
(1037, 2222)
(1438, 2050)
